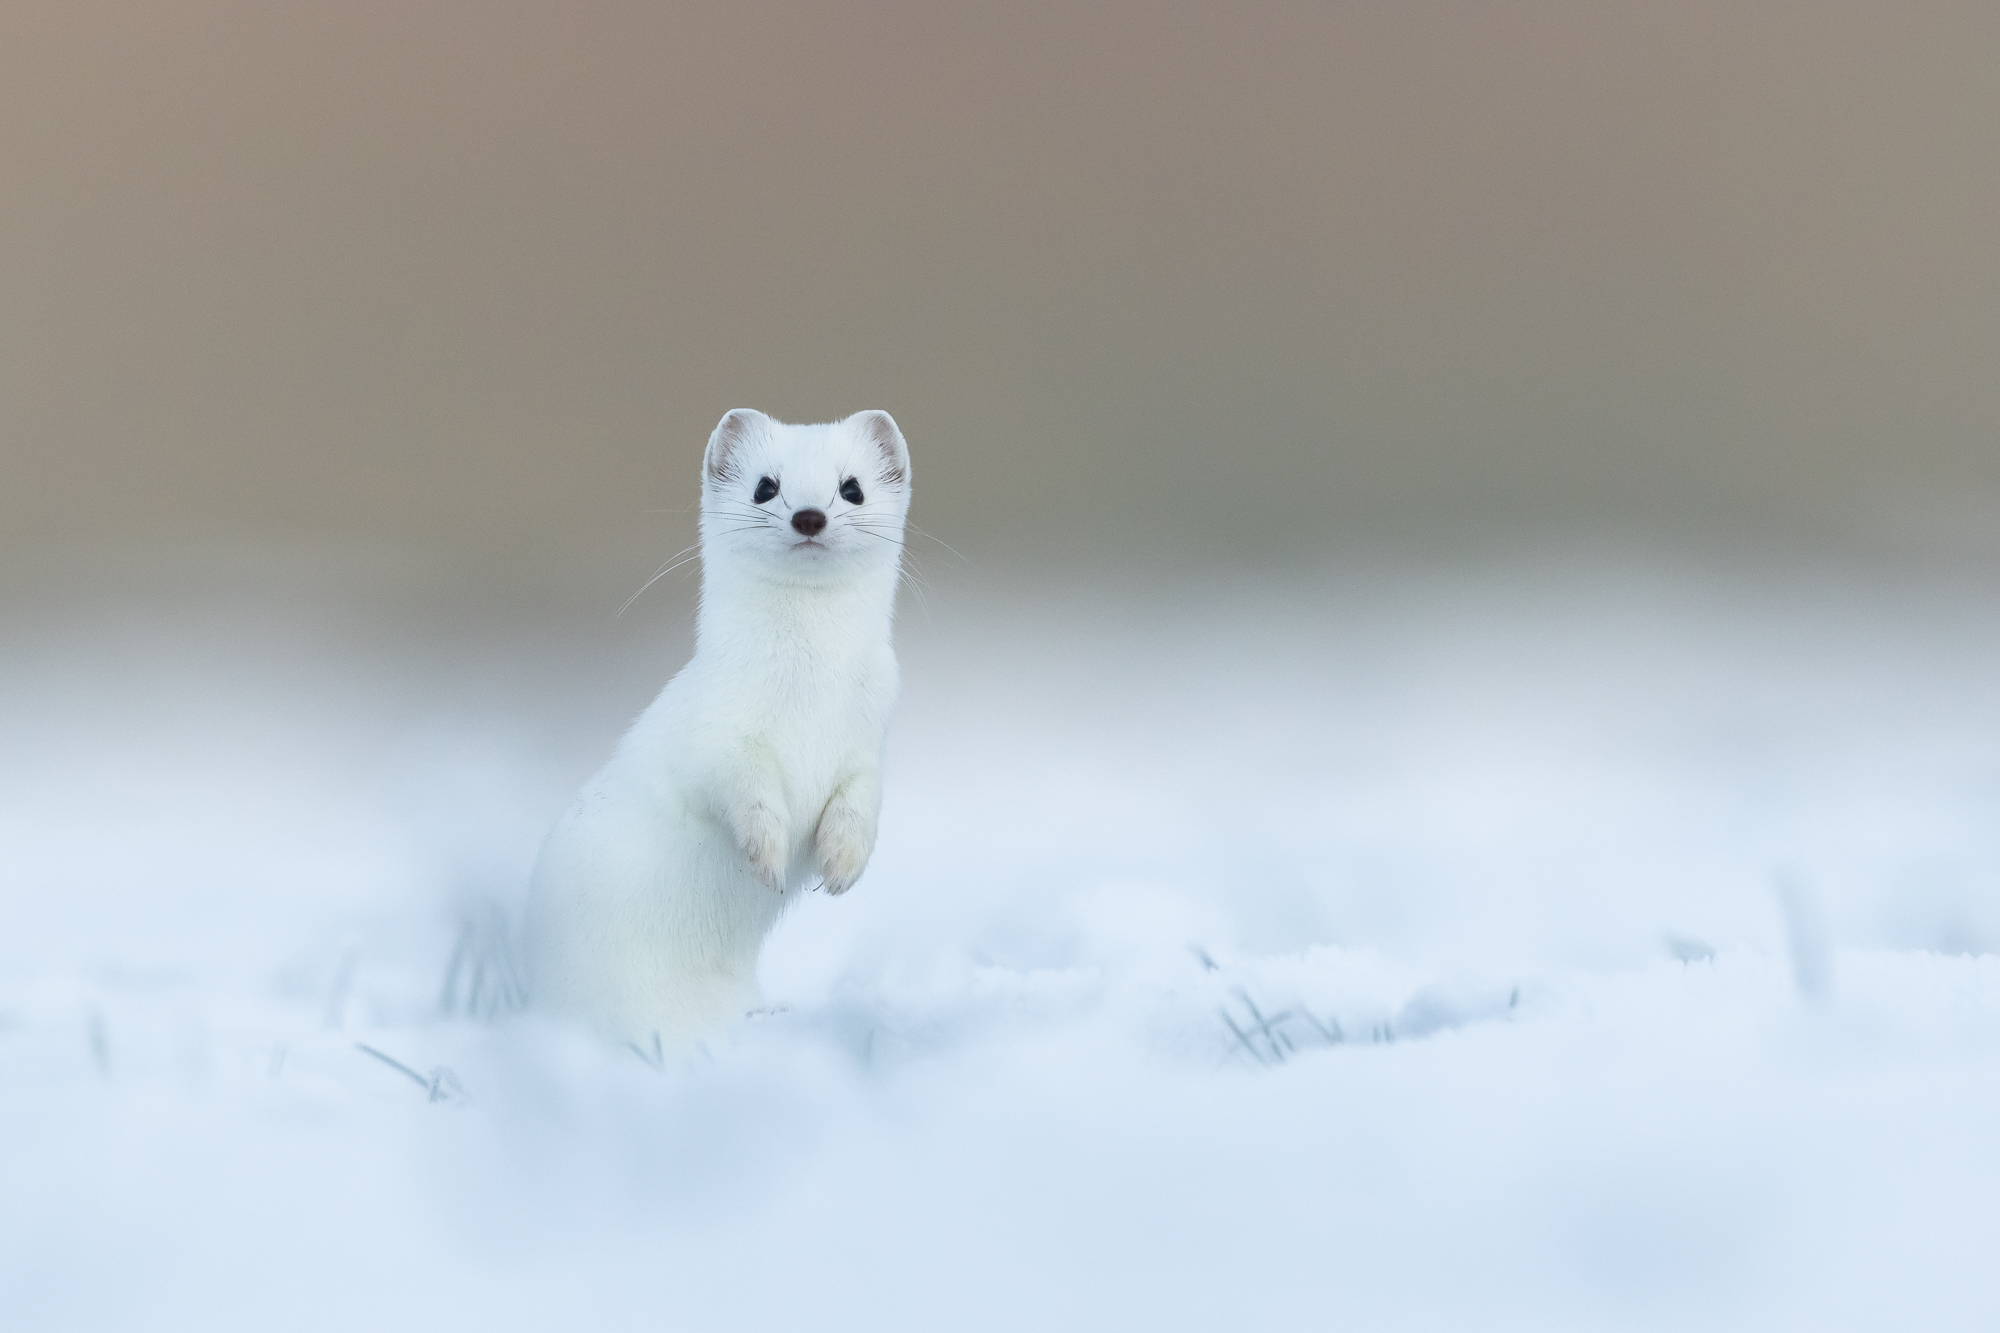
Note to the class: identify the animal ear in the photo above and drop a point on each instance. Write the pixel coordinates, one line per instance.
(880, 430)
(739, 425)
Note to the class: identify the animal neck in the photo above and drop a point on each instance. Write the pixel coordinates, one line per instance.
(748, 613)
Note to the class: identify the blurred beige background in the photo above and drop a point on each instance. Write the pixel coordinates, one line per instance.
(1150, 281)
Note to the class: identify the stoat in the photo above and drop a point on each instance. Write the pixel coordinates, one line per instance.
(757, 772)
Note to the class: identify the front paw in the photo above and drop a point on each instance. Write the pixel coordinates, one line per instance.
(844, 845)
(760, 833)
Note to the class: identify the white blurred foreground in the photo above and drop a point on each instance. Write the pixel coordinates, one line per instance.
(1545, 949)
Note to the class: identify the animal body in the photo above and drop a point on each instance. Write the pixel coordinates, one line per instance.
(756, 773)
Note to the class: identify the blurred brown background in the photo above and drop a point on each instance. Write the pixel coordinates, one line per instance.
(1146, 280)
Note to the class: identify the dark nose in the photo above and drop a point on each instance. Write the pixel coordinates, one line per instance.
(809, 523)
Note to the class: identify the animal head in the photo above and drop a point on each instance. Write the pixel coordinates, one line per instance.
(805, 501)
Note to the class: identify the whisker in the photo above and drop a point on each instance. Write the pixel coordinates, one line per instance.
(903, 577)
(721, 502)
(881, 538)
(692, 553)
(939, 540)
(675, 556)
(910, 573)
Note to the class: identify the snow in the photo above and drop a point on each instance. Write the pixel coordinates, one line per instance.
(1555, 944)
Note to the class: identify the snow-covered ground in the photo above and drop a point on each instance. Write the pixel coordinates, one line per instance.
(1569, 944)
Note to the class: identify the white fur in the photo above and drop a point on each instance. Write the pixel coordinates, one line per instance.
(757, 771)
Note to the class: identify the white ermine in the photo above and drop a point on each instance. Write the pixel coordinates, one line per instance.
(758, 769)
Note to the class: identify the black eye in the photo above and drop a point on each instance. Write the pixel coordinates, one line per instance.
(850, 491)
(766, 488)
